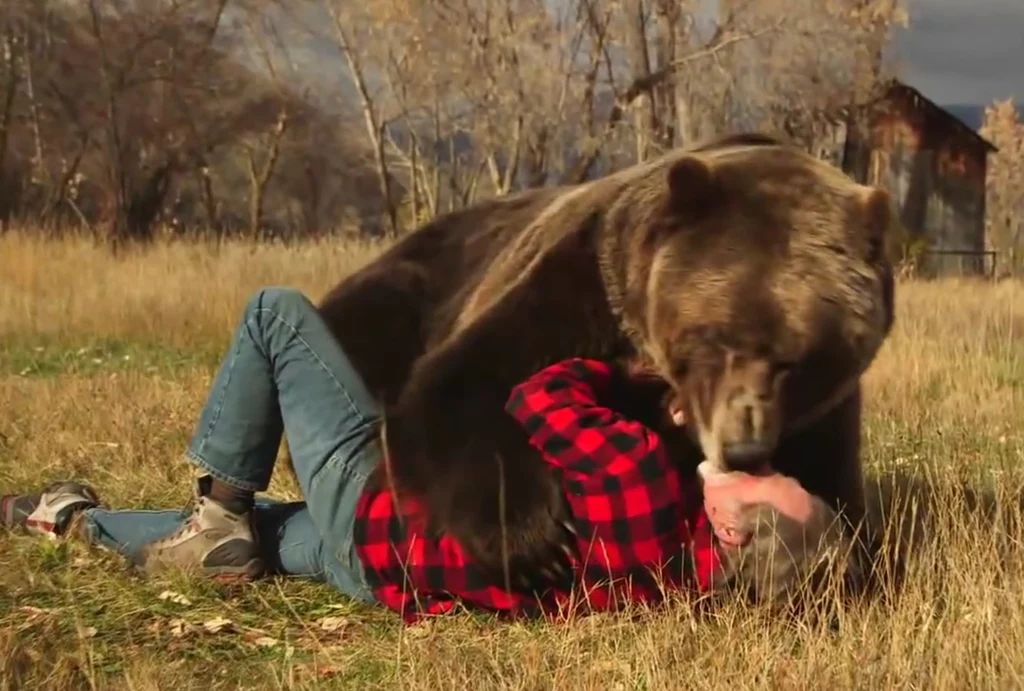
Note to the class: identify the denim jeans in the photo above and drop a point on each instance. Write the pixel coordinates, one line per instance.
(284, 373)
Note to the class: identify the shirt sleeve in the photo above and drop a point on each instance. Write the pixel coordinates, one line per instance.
(561, 410)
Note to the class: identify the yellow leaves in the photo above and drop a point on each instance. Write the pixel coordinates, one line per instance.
(218, 624)
(183, 629)
(394, 13)
(179, 628)
(192, 628)
(174, 597)
(1005, 184)
(1002, 124)
(333, 624)
(900, 17)
(874, 13)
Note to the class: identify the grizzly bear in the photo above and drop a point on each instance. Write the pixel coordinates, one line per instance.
(743, 255)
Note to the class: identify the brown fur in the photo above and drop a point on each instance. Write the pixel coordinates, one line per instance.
(740, 410)
(742, 246)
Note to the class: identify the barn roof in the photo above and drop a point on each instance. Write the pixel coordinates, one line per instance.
(919, 100)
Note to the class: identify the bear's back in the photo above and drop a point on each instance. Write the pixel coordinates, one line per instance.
(455, 251)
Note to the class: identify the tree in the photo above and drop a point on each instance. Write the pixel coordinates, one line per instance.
(1004, 224)
(301, 114)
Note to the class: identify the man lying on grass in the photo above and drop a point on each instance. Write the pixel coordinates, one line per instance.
(641, 527)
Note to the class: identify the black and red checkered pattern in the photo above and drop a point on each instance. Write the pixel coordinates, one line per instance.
(641, 526)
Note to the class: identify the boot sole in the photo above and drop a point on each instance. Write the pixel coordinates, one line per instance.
(235, 574)
(250, 571)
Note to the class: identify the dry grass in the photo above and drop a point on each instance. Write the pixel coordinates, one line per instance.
(103, 368)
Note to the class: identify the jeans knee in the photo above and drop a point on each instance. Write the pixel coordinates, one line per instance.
(280, 299)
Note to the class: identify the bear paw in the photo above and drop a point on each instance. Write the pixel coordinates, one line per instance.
(488, 488)
(530, 550)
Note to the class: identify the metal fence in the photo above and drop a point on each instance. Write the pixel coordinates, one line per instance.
(943, 263)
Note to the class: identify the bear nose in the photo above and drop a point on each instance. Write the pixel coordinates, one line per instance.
(747, 456)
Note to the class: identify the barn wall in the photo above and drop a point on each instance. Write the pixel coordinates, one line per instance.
(935, 169)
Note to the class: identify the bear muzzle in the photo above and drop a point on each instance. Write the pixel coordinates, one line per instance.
(751, 456)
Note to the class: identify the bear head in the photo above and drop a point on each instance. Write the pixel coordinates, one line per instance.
(755, 280)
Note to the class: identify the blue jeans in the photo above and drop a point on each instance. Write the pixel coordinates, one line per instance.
(284, 372)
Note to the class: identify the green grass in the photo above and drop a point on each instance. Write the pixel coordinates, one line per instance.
(81, 595)
(93, 357)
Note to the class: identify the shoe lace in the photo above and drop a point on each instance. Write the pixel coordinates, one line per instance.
(190, 514)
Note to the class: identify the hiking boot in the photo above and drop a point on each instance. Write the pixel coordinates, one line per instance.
(48, 513)
(212, 540)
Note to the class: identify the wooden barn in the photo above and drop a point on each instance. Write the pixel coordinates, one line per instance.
(933, 164)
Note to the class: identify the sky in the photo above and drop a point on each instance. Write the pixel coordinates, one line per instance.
(964, 51)
(955, 51)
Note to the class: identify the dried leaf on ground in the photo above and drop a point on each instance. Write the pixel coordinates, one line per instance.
(172, 596)
(333, 624)
(180, 627)
(218, 625)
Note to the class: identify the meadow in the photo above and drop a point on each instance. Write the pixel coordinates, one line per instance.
(104, 363)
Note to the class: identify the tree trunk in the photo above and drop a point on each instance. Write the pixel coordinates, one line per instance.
(259, 176)
(205, 185)
(10, 52)
(640, 60)
(374, 128)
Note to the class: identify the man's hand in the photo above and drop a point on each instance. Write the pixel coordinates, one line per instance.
(642, 375)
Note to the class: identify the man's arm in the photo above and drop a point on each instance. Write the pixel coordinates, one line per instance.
(561, 410)
(630, 506)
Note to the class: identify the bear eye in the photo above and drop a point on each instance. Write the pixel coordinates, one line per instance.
(782, 367)
(876, 248)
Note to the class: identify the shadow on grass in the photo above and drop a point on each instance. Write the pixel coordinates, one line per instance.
(934, 516)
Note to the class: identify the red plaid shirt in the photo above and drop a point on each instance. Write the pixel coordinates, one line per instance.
(641, 527)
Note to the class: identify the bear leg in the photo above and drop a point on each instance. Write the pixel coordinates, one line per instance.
(825, 458)
(451, 441)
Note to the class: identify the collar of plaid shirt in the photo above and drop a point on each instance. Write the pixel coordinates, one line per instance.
(641, 526)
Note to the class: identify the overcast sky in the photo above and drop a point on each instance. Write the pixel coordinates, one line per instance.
(964, 51)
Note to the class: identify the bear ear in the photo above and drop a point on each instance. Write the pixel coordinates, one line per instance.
(692, 187)
(877, 208)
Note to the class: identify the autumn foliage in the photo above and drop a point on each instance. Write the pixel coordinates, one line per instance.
(302, 116)
(1005, 185)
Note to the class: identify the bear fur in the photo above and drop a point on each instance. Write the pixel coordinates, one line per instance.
(744, 247)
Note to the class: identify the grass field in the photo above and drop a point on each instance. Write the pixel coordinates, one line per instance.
(104, 363)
